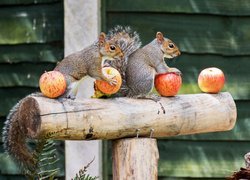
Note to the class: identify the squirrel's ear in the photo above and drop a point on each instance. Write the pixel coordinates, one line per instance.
(159, 37)
(102, 37)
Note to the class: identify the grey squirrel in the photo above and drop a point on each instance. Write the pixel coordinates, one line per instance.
(89, 61)
(141, 67)
(144, 63)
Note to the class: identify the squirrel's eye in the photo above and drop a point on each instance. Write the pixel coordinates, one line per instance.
(171, 45)
(112, 47)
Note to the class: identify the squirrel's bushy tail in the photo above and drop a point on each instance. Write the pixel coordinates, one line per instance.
(129, 41)
(14, 137)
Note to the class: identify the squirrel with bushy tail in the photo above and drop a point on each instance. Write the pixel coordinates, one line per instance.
(139, 69)
(120, 49)
(74, 67)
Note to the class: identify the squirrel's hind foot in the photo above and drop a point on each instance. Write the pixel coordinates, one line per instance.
(175, 70)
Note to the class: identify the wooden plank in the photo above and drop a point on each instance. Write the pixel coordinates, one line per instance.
(12, 177)
(24, 74)
(200, 159)
(21, 2)
(235, 68)
(10, 96)
(222, 7)
(35, 53)
(31, 24)
(223, 35)
(197, 159)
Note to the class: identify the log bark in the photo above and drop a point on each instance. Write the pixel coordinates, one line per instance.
(122, 117)
(135, 158)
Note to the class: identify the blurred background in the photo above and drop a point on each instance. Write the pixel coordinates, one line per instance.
(209, 33)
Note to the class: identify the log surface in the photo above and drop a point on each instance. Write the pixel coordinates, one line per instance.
(122, 117)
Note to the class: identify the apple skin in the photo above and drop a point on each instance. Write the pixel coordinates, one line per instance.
(211, 80)
(168, 84)
(104, 86)
(52, 84)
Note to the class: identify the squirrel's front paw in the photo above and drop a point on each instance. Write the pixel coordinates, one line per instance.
(112, 80)
(70, 94)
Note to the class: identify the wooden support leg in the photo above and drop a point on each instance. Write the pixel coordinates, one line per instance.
(135, 158)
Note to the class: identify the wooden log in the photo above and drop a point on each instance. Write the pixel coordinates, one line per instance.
(135, 158)
(121, 117)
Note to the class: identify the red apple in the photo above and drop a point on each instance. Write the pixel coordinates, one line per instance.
(106, 87)
(211, 80)
(168, 84)
(52, 84)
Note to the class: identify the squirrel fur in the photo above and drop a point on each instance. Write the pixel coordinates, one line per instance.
(146, 62)
(129, 41)
(15, 133)
(88, 61)
(141, 67)
(117, 46)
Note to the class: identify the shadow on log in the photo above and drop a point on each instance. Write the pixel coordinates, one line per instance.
(123, 117)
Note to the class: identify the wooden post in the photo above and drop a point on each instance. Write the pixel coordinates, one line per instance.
(135, 158)
(81, 28)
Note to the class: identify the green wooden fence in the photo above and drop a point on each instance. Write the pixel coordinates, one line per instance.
(209, 33)
(31, 41)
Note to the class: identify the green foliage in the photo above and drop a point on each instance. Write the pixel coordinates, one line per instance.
(46, 158)
(82, 175)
